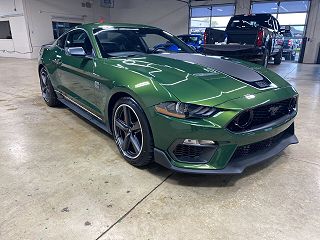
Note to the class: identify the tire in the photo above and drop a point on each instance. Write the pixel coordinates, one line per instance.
(47, 91)
(278, 58)
(131, 132)
(265, 58)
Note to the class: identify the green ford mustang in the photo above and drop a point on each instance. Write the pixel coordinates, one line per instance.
(163, 102)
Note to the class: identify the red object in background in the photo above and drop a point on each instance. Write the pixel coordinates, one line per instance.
(290, 42)
(260, 39)
(101, 20)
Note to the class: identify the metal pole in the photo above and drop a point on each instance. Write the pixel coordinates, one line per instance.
(189, 18)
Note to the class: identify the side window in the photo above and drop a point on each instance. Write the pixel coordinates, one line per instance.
(61, 41)
(79, 38)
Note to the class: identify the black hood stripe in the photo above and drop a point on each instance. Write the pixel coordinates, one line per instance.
(230, 68)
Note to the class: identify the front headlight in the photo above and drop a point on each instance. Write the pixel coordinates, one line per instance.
(185, 110)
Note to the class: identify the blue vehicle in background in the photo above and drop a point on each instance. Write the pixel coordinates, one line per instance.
(193, 40)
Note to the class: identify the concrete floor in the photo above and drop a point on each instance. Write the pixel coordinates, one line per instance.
(62, 178)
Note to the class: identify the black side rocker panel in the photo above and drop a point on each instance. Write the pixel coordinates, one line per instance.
(85, 114)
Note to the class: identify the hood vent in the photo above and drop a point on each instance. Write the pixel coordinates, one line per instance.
(264, 83)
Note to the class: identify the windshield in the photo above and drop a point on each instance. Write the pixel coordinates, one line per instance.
(189, 39)
(130, 42)
(254, 21)
(287, 34)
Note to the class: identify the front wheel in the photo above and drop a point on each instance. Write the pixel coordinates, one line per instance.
(132, 133)
(47, 90)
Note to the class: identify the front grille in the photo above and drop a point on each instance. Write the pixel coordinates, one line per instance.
(193, 154)
(256, 147)
(253, 118)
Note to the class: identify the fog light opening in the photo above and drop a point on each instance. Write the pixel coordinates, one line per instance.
(196, 142)
(244, 119)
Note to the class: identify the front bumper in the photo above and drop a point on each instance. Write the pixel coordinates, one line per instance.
(168, 131)
(235, 165)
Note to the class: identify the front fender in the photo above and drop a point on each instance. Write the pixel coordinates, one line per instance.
(116, 79)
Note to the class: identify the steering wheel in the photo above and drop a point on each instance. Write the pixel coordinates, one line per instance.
(159, 47)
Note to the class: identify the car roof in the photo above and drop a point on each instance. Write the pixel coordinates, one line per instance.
(115, 25)
(254, 14)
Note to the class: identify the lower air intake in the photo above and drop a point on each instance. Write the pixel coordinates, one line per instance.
(192, 154)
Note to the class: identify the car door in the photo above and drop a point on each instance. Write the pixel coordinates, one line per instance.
(55, 61)
(76, 73)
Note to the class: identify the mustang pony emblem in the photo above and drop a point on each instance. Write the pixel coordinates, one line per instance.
(273, 110)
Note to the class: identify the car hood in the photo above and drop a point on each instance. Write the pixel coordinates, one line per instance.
(205, 80)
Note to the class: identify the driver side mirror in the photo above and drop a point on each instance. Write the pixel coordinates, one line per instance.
(76, 51)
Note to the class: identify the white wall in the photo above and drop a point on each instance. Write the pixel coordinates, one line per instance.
(170, 15)
(243, 7)
(31, 23)
(19, 45)
(41, 13)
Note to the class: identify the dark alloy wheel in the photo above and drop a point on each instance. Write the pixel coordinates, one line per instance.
(132, 133)
(128, 131)
(44, 84)
(47, 90)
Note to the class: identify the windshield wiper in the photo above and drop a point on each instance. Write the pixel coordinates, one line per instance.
(133, 55)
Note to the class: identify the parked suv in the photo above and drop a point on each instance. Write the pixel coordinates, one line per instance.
(289, 44)
(250, 37)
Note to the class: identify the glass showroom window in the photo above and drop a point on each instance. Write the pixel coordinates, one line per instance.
(288, 13)
(292, 16)
(60, 27)
(216, 16)
(5, 30)
(265, 7)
